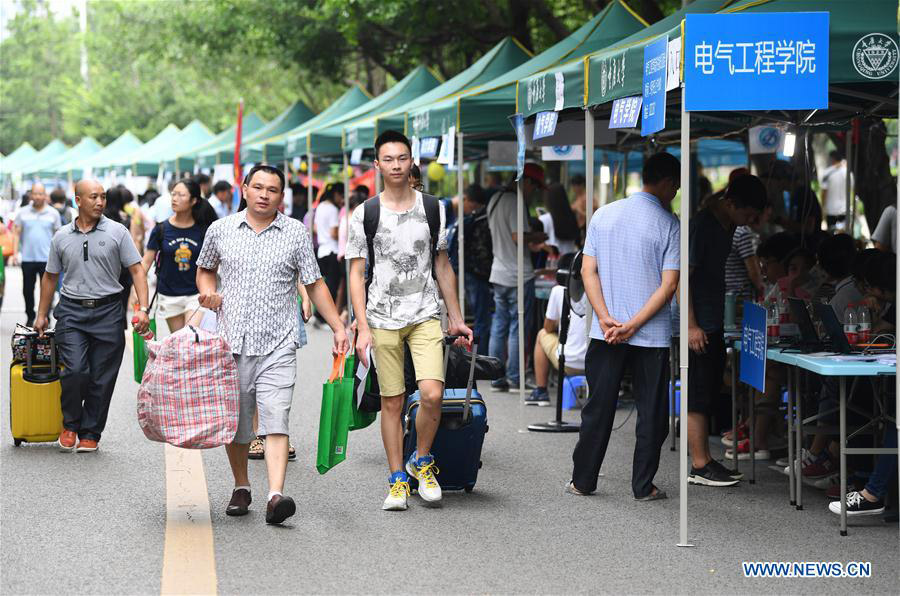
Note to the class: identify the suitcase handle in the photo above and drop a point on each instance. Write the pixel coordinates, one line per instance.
(40, 377)
(448, 340)
(29, 374)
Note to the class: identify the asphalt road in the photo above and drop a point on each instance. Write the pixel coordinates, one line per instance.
(95, 523)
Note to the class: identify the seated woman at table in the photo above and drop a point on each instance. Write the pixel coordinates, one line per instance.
(821, 459)
(881, 277)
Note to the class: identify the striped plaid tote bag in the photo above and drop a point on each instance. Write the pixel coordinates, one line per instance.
(190, 393)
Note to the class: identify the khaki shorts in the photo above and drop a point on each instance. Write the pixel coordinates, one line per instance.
(549, 343)
(426, 344)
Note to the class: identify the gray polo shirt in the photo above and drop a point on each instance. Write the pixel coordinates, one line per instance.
(92, 262)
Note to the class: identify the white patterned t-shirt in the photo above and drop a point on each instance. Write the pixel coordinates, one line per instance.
(403, 290)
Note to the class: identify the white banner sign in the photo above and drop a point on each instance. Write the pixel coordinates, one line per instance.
(563, 153)
(673, 64)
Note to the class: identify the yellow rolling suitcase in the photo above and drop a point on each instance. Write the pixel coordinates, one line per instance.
(35, 411)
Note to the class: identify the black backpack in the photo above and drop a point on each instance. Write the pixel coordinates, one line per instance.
(371, 217)
(479, 246)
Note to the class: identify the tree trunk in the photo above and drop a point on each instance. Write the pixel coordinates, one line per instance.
(518, 26)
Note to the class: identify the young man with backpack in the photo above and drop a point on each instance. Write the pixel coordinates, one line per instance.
(402, 234)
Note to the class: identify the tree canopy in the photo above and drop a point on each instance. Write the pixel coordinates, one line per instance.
(155, 62)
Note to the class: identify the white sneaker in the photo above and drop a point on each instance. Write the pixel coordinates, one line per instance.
(761, 454)
(429, 489)
(396, 499)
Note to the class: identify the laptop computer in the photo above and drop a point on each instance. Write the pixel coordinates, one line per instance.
(809, 337)
(835, 331)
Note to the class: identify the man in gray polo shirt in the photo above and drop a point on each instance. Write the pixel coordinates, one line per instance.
(91, 252)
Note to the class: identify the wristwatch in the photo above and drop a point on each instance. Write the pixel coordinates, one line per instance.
(145, 310)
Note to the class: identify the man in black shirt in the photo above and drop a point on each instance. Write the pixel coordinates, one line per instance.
(711, 234)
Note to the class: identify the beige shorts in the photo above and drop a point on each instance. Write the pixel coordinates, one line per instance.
(172, 306)
(426, 344)
(549, 343)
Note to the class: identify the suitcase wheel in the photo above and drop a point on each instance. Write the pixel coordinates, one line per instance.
(479, 464)
(469, 488)
(486, 428)
(17, 442)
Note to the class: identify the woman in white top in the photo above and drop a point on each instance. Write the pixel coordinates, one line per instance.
(559, 222)
(327, 221)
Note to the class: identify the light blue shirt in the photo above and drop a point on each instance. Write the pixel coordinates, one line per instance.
(634, 240)
(38, 228)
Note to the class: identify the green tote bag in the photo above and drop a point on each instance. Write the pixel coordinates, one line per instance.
(358, 419)
(141, 354)
(335, 417)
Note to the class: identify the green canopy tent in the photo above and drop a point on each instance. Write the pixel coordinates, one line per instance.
(503, 57)
(22, 155)
(126, 162)
(273, 148)
(47, 155)
(295, 115)
(485, 110)
(195, 134)
(617, 72)
(328, 138)
(53, 168)
(78, 168)
(220, 150)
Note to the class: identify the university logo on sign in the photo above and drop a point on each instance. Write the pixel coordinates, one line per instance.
(875, 56)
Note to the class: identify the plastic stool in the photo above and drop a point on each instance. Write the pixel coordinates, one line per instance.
(677, 397)
(570, 388)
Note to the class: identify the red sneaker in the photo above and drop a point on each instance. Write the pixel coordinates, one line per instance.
(66, 440)
(86, 446)
(820, 467)
(728, 437)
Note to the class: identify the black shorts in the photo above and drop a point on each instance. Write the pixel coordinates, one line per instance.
(706, 374)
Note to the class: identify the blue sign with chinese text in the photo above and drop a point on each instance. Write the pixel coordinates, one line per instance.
(653, 118)
(544, 125)
(753, 346)
(756, 61)
(625, 112)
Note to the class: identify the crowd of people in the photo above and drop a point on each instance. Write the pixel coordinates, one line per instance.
(250, 262)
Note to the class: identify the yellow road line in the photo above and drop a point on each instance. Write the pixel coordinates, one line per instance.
(189, 560)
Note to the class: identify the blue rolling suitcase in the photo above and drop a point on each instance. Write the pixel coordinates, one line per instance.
(457, 444)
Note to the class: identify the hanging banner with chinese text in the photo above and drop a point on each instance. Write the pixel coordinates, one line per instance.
(625, 112)
(653, 118)
(756, 61)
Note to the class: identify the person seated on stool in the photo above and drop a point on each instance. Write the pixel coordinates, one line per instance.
(546, 348)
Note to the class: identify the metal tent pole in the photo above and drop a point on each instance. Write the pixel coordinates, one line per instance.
(848, 221)
(309, 186)
(460, 234)
(520, 281)
(346, 176)
(683, 285)
(588, 185)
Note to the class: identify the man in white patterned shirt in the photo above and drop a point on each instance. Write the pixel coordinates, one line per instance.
(259, 255)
